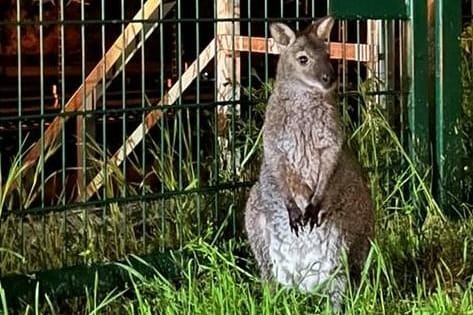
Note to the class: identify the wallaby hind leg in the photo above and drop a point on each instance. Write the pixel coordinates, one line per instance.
(257, 229)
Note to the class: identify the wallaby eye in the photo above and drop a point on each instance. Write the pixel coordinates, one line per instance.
(325, 77)
(302, 60)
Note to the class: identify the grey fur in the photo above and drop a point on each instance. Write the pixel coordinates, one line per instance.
(308, 176)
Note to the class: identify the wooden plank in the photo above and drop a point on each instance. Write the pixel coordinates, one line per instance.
(152, 118)
(349, 51)
(354, 52)
(244, 43)
(107, 68)
(372, 38)
(227, 65)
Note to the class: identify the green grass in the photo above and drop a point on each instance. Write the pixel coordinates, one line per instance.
(428, 280)
(225, 285)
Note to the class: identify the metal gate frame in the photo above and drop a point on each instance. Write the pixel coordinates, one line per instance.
(433, 122)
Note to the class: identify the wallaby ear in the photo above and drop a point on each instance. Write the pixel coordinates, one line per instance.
(282, 34)
(323, 27)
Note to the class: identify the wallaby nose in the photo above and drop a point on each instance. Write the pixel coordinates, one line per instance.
(328, 77)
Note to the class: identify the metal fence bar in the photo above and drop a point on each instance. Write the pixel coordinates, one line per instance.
(198, 122)
(179, 101)
(144, 208)
(343, 63)
(124, 190)
(20, 109)
(162, 81)
(153, 117)
(448, 103)
(42, 159)
(235, 108)
(402, 84)
(92, 82)
(62, 52)
(104, 155)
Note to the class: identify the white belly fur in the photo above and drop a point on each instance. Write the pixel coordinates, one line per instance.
(306, 261)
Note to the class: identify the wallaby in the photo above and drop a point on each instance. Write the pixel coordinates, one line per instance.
(311, 203)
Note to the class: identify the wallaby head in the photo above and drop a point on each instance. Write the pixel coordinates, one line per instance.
(304, 56)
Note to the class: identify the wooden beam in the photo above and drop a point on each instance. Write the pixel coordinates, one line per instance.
(105, 70)
(152, 118)
(243, 44)
(227, 65)
(372, 38)
(353, 52)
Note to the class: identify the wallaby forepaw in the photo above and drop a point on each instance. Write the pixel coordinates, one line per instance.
(295, 217)
(295, 229)
(313, 215)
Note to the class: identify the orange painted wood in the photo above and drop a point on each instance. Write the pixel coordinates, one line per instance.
(348, 51)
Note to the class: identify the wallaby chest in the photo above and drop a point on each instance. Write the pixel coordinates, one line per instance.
(308, 131)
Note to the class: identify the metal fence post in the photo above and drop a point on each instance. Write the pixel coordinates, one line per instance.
(418, 63)
(448, 97)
